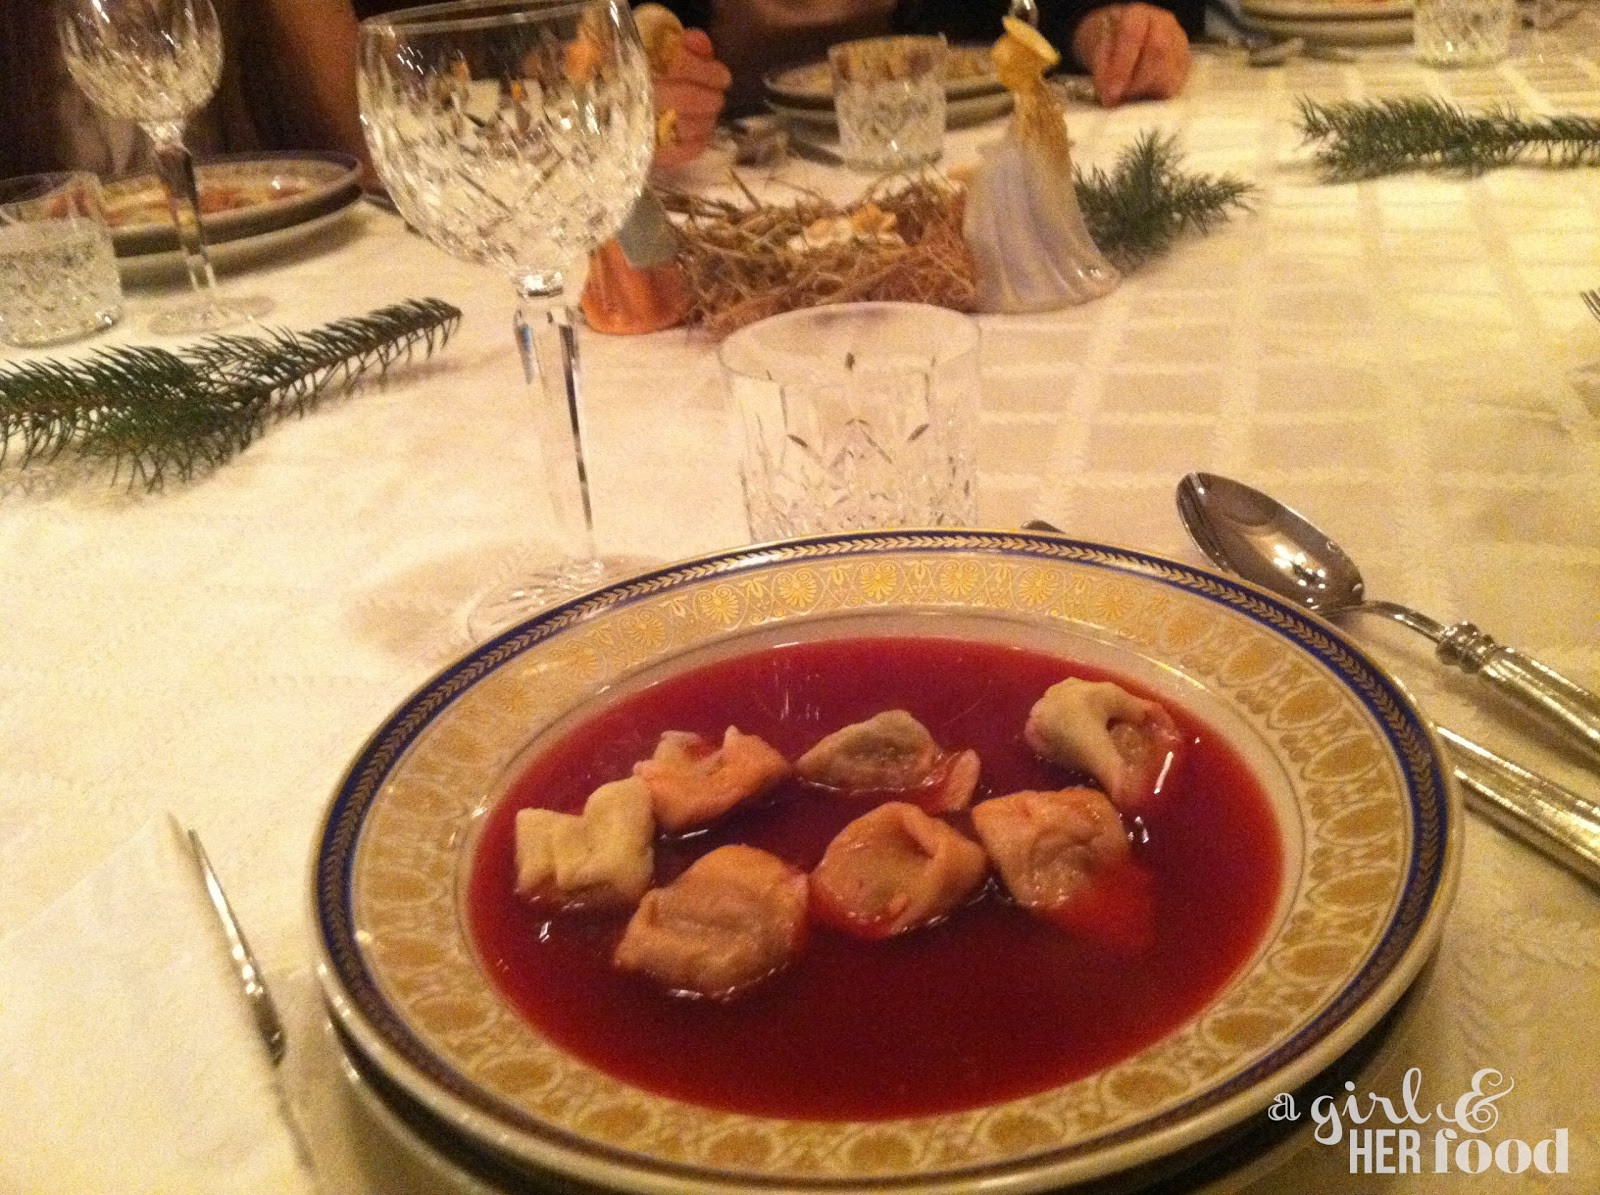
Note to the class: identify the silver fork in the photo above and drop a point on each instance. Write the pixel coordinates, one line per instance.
(1591, 300)
(269, 1025)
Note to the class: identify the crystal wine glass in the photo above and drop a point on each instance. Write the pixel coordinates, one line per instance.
(156, 62)
(517, 134)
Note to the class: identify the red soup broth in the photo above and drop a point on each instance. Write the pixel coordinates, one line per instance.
(991, 1004)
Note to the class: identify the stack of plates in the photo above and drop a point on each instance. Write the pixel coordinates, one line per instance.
(1367, 824)
(804, 93)
(252, 206)
(1331, 22)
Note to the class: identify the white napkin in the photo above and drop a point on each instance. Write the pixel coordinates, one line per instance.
(128, 1058)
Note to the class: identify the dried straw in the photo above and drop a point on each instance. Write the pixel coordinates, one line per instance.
(746, 261)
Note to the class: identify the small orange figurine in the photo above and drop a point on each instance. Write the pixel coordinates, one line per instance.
(625, 300)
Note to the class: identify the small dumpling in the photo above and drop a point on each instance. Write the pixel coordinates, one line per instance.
(894, 869)
(1064, 856)
(736, 917)
(692, 782)
(1129, 745)
(892, 753)
(602, 858)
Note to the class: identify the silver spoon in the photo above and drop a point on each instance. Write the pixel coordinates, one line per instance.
(1264, 541)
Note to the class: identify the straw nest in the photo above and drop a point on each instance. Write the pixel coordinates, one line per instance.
(900, 241)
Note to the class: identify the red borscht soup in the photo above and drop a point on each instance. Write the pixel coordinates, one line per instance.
(988, 1005)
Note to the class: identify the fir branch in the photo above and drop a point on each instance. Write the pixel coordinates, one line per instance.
(1148, 202)
(1370, 138)
(162, 414)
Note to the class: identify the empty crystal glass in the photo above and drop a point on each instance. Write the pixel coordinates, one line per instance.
(518, 133)
(856, 416)
(889, 100)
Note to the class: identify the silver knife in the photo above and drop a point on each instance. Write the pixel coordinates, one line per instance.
(1546, 816)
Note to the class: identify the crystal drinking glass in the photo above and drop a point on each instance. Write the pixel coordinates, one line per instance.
(517, 134)
(156, 62)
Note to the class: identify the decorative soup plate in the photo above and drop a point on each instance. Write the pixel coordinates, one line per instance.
(1367, 830)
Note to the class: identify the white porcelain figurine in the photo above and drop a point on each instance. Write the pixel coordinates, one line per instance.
(1022, 222)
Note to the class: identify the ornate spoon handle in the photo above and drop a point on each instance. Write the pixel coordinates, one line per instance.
(1537, 687)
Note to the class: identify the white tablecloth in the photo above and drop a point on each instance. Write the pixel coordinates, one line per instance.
(1406, 361)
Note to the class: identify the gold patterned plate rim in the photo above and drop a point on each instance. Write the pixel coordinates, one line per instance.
(1364, 902)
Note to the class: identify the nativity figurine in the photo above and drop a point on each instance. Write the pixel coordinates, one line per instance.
(1022, 223)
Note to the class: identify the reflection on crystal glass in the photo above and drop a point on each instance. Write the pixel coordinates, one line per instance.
(1463, 32)
(522, 150)
(145, 61)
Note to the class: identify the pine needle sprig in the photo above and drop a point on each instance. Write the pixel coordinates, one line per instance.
(161, 414)
(1370, 138)
(1146, 203)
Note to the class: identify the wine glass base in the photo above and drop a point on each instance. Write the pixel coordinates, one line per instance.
(538, 587)
(209, 315)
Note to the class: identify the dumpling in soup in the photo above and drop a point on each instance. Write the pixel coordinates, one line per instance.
(601, 858)
(1127, 744)
(894, 869)
(734, 918)
(892, 753)
(1064, 856)
(693, 782)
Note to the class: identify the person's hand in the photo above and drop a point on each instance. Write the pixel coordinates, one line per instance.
(1133, 51)
(693, 86)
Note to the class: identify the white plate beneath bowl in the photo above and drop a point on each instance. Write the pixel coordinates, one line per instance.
(1369, 822)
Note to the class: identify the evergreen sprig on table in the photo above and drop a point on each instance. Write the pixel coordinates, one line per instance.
(1369, 138)
(161, 414)
(1147, 201)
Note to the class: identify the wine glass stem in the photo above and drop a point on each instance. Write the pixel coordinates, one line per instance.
(176, 166)
(549, 346)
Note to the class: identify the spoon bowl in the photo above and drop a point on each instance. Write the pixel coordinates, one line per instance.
(1267, 543)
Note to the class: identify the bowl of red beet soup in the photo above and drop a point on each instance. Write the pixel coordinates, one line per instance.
(1293, 871)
